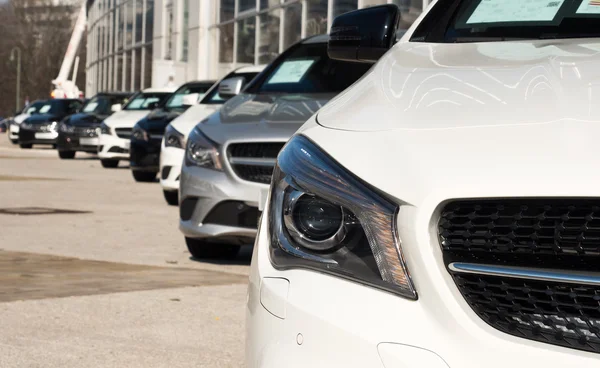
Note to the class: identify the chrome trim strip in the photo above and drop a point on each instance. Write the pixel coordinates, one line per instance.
(254, 161)
(573, 277)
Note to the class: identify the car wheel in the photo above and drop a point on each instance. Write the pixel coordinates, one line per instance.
(14, 141)
(144, 176)
(26, 146)
(109, 164)
(172, 197)
(203, 249)
(66, 155)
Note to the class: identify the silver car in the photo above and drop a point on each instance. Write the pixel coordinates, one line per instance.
(230, 155)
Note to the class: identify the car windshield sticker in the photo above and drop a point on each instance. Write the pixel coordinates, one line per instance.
(501, 11)
(45, 109)
(290, 71)
(90, 107)
(589, 7)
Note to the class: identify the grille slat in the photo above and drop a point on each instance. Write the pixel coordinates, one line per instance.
(124, 133)
(544, 233)
(262, 170)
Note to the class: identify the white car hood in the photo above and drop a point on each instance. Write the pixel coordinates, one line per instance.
(448, 86)
(125, 118)
(191, 117)
(20, 118)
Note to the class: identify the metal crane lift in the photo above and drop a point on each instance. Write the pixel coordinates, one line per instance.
(61, 86)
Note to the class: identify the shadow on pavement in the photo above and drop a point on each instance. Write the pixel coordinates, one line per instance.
(243, 258)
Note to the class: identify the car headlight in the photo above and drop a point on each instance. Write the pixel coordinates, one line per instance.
(139, 133)
(324, 218)
(104, 129)
(25, 125)
(52, 126)
(202, 152)
(173, 138)
(65, 128)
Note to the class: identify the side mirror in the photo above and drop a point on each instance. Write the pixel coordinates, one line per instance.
(152, 105)
(190, 99)
(363, 35)
(116, 108)
(231, 87)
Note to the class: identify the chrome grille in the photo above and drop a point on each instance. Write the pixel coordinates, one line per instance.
(254, 161)
(124, 133)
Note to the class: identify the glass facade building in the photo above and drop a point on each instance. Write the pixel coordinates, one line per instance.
(135, 44)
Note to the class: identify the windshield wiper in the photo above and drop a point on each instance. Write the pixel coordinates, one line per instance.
(487, 39)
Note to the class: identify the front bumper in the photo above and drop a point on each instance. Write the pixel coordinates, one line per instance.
(111, 147)
(13, 132)
(71, 142)
(300, 318)
(205, 193)
(145, 155)
(171, 159)
(27, 136)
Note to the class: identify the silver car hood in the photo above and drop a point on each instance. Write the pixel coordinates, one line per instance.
(262, 117)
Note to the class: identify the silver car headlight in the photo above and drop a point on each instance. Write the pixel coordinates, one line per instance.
(173, 138)
(324, 218)
(202, 152)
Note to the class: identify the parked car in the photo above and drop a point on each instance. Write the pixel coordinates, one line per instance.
(42, 127)
(172, 148)
(4, 125)
(115, 131)
(443, 211)
(20, 116)
(79, 132)
(148, 132)
(230, 156)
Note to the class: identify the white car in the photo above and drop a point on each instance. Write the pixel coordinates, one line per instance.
(15, 122)
(444, 211)
(173, 144)
(115, 131)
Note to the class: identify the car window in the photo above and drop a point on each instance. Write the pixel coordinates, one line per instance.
(213, 97)
(102, 104)
(60, 107)
(503, 20)
(306, 68)
(33, 108)
(176, 100)
(142, 101)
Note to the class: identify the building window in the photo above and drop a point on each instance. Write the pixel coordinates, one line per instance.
(268, 44)
(127, 74)
(169, 20)
(265, 4)
(185, 36)
(316, 17)
(119, 71)
(129, 17)
(292, 31)
(148, 66)
(137, 70)
(246, 36)
(244, 5)
(227, 10)
(344, 6)
(139, 21)
(226, 43)
(149, 21)
(120, 28)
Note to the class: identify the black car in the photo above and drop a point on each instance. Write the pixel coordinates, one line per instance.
(79, 132)
(42, 128)
(147, 134)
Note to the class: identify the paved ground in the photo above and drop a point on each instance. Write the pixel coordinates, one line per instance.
(94, 273)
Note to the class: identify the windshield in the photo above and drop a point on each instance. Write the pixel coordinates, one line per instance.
(33, 108)
(501, 20)
(306, 68)
(213, 97)
(142, 100)
(101, 104)
(176, 100)
(60, 107)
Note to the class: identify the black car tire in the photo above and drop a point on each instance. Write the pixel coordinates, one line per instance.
(66, 155)
(144, 176)
(109, 164)
(14, 141)
(203, 249)
(172, 197)
(26, 146)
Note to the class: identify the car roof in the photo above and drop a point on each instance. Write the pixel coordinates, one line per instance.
(250, 69)
(323, 38)
(160, 90)
(210, 82)
(116, 93)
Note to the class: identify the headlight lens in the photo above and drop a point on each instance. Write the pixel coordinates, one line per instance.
(202, 152)
(323, 218)
(173, 138)
(139, 133)
(104, 129)
(26, 125)
(65, 128)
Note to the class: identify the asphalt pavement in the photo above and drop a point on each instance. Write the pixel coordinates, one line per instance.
(94, 272)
